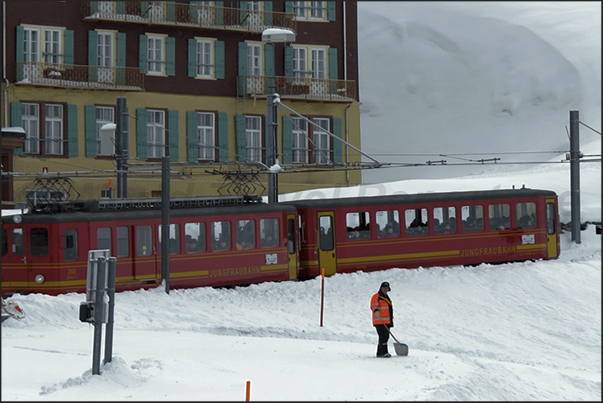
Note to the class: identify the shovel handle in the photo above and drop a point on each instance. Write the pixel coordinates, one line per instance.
(390, 332)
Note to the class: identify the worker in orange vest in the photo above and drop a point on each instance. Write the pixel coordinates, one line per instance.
(383, 317)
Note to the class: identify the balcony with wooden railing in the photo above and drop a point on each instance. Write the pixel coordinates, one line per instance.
(187, 15)
(298, 87)
(76, 76)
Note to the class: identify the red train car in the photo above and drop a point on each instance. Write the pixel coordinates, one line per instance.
(433, 229)
(240, 242)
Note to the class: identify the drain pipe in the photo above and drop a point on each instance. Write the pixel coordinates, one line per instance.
(5, 100)
(347, 139)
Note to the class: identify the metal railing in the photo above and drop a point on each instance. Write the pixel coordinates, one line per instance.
(71, 75)
(191, 15)
(298, 87)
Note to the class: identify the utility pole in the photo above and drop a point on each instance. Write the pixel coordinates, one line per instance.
(121, 149)
(165, 223)
(575, 174)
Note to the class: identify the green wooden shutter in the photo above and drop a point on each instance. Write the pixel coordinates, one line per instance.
(331, 14)
(68, 45)
(144, 9)
(337, 145)
(267, 13)
(288, 61)
(219, 57)
(219, 17)
(141, 134)
(120, 60)
(193, 12)
(173, 135)
(92, 56)
(287, 140)
(192, 57)
(243, 13)
(170, 11)
(268, 65)
(72, 140)
(93, 7)
(333, 73)
(242, 80)
(289, 7)
(223, 137)
(120, 7)
(170, 56)
(16, 120)
(90, 130)
(19, 56)
(142, 54)
(192, 148)
(240, 129)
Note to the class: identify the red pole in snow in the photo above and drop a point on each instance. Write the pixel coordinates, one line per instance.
(322, 295)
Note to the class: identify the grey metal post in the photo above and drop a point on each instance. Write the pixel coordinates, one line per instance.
(111, 293)
(98, 314)
(165, 222)
(575, 174)
(271, 143)
(121, 134)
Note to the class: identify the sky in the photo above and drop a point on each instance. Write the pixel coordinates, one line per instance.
(523, 331)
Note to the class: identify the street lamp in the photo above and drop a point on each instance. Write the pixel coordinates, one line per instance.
(273, 35)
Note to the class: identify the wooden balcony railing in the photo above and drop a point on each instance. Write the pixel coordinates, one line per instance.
(70, 75)
(298, 87)
(187, 15)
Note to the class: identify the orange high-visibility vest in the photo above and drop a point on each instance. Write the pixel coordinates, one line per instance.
(382, 305)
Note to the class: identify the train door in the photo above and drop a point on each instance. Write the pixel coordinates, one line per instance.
(552, 237)
(292, 245)
(145, 257)
(327, 254)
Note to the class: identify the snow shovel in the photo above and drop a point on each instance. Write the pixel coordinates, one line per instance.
(401, 348)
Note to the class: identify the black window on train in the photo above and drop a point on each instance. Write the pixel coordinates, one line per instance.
(245, 235)
(388, 223)
(326, 233)
(269, 232)
(525, 215)
(144, 240)
(444, 220)
(220, 235)
(18, 242)
(194, 234)
(38, 241)
(70, 244)
(103, 237)
(472, 218)
(291, 236)
(123, 242)
(174, 238)
(499, 216)
(416, 222)
(358, 225)
(551, 219)
(4, 242)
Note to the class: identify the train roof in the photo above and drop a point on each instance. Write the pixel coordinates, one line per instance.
(420, 198)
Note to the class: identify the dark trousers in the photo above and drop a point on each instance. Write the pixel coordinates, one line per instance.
(383, 338)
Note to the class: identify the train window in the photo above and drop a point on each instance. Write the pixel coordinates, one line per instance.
(220, 235)
(388, 224)
(358, 225)
(174, 235)
(4, 242)
(194, 234)
(551, 224)
(269, 233)
(418, 221)
(123, 242)
(18, 245)
(144, 240)
(525, 214)
(326, 233)
(473, 218)
(38, 241)
(103, 236)
(444, 220)
(500, 216)
(70, 244)
(245, 234)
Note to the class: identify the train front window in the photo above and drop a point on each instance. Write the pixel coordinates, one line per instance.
(18, 242)
(38, 241)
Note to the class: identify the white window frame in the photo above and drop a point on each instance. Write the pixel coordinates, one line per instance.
(206, 135)
(205, 58)
(253, 137)
(103, 115)
(299, 147)
(53, 125)
(155, 133)
(310, 10)
(322, 141)
(105, 56)
(156, 57)
(31, 124)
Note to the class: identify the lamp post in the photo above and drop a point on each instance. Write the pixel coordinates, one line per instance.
(273, 35)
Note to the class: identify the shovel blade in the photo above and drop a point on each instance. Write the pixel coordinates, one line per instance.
(401, 348)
